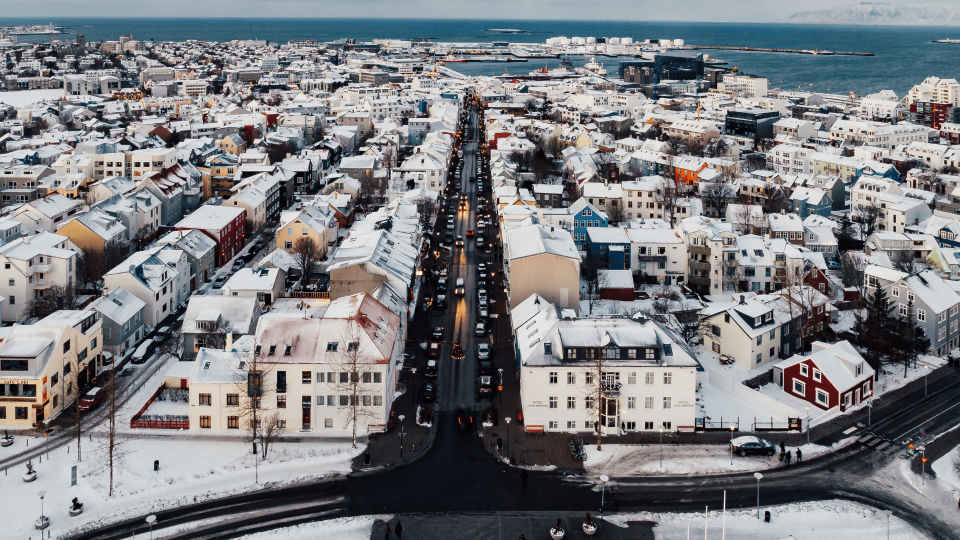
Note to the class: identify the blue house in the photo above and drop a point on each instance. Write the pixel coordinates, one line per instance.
(808, 201)
(609, 247)
(585, 215)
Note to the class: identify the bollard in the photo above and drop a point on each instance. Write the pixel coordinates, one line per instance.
(766, 516)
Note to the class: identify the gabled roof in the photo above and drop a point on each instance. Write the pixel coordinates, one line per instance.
(838, 362)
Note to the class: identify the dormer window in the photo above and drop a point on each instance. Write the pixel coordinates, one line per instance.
(273, 350)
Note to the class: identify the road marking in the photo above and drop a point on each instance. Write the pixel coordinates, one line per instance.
(914, 429)
(882, 446)
(851, 430)
(874, 442)
(865, 438)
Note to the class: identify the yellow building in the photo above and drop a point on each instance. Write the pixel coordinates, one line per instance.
(91, 231)
(232, 144)
(303, 225)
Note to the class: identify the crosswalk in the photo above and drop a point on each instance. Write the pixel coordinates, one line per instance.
(879, 444)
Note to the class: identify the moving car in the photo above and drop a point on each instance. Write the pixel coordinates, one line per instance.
(460, 240)
(433, 350)
(91, 399)
(438, 333)
(484, 351)
(441, 301)
(469, 233)
(448, 238)
(459, 289)
(161, 334)
(431, 369)
(430, 391)
(481, 330)
(486, 368)
(464, 419)
(752, 445)
(451, 224)
(485, 385)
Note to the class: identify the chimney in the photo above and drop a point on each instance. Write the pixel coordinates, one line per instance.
(26, 239)
(783, 211)
(229, 345)
(133, 268)
(552, 235)
(743, 299)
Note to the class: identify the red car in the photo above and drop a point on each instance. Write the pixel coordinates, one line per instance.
(433, 351)
(91, 399)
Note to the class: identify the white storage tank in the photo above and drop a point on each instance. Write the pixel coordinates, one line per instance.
(614, 41)
(564, 41)
(579, 41)
(678, 42)
(626, 40)
(591, 40)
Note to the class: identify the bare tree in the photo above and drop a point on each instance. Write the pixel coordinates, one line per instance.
(426, 209)
(76, 416)
(903, 261)
(670, 195)
(869, 218)
(594, 278)
(615, 212)
(306, 254)
(732, 274)
(56, 298)
(742, 219)
(718, 195)
(252, 385)
(173, 344)
(355, 384)
(596, 383)
(112, 441)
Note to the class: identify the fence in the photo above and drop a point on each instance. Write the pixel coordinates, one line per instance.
(138, 423)
(305, 294)
(778, 411)
(760, 380)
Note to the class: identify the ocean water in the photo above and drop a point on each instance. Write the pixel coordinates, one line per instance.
(903, 55)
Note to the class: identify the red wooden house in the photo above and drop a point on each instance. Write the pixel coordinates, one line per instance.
(833, 375)
(224, 224)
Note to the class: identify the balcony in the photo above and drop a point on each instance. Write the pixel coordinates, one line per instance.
(611, 389)
(652, 258)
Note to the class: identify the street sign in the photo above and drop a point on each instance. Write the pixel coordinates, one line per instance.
(921, 433)
(500, 388)
(870, 404)
(73, 476)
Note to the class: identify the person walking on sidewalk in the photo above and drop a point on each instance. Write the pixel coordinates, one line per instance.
(398, 529)
(799, 456)
(786, 461)
(783, 448)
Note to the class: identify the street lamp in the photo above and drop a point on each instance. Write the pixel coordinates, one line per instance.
(603, 489)
(808, 425)
(501, 369)
(731, 444)
(508, 439)
(661, 448)
(401, 417)
(926, 370)
(151, 519)
(44, 521)
(256, 462)
(758, 476)
(923, 465)
(887, 513)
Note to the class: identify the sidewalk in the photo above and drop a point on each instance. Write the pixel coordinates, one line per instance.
(505, 526)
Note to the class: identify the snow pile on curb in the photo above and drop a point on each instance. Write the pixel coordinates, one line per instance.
(346, 528)
(801, 521)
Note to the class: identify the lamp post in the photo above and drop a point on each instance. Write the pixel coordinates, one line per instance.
(758, 476)
(151, 519)
(808, 425)
(926, 370)
(500, 370)
(661, 448)
(401, 417)
(731, 444)
(43, 518)
(923, 465)
(508, 438)
(887, 513)
(603, 489)
(256, 463)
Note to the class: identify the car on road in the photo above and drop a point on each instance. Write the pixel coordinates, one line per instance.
(91, 399)
(237, 264)
(832, 264)
(161, 334)
(469, 233)
(464, 419)
(430, 391)
(459, 240)
(442, 285)
(482, 267)
(752, 445)
(441, 301)
(433, 350)
(448, 238)
(431, 370)
(481, 330)
(460, 287)
(484, 351)
(451, 224)
(483, 315)
(438, 333)
(485, 385)
(143, 352)
(486, 367)
(217, 283)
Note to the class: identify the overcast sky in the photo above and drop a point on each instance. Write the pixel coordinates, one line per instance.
(676, 10)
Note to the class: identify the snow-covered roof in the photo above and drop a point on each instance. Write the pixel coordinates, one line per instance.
(837, 361)
(249, 279)
(540, 239)
(119, 305)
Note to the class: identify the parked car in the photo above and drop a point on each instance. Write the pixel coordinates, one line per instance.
(161, 334)
(431, 369)
(464, 419)
(441, 301)
(91, 399)
(438, 333)
(442, 285)
(433, 350)
(237, 264)
(484, 351)
(451, 224)
(486, 367)
(481, 330)
(485, 385)
(430, 391)
(483, 315)
(752, 445)
(143, 352)
(448, 238)
(217, 283)
(469, 233)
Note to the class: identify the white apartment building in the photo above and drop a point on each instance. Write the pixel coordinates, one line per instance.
(641, 199)
(693, 131)
(879, 134)
(627, 374)
(747, 86)
(796, 128)
(149, 279)
(712, 246)
(311, 364)
(936, 156)
(934, 89)
(141, 162)
(880, 105)
(787, 159)
(31, 265)
(867, 191)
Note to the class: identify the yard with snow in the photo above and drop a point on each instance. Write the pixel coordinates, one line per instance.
(801, 521)
(22, 98)
(622, 460)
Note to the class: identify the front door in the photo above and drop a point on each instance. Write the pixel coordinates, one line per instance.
(306, 415)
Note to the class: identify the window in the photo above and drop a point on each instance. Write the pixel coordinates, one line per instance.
(588, 403)
(668, 378)
(648, 378)
(816, 375)
(233, 400)
(804, 370)
(233, 422)
(205, 422)
(799, 388)
(552, 424)
(823, 398)
(13, 301)
(328, 423)
(648, 425)
(332, 346)
(587, 378)
(306, 376)
(367, 377)
(282, 424)
(378, 401)
(631, 403)
(759, 358)
(571, 377)
(553, 403)
(895, 291)
(571, 403)
(632, 377)
(648, 403)
(910, 296)
(667, 402)
(942, 317)
(205, 400)
(281, 402)
(571, 424)
(921, 315)
(903, 310)
(553, 377)
(20, 413)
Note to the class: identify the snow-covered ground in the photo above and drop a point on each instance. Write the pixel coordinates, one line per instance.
(620, 460)
(347, 528)
(891, 377)
(946, 470)
(188, 470)
(801, 521)
(23, 98)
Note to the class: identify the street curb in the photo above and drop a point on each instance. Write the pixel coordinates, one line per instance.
(406, 461)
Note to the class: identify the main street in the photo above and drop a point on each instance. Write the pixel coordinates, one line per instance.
(458, 474)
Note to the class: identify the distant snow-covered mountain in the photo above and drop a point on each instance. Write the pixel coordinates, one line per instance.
(874, 13)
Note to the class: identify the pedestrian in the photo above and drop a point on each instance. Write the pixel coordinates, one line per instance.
(799, 456)
(523, 476)
(786, 460)
(398, 529)
(783, 447)
(386, 532)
